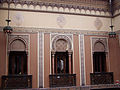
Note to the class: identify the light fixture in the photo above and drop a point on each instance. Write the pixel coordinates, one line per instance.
(112, 34)
(8, 29)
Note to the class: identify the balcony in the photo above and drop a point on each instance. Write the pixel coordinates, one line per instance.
(62, 80)
(101, 78)
(16, 81)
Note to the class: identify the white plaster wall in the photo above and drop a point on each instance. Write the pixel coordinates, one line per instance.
(49, 20)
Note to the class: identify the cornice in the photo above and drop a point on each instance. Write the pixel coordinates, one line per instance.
(116, 4)
(55, 30)
(57, 12)
(95, 5)
(91, 5)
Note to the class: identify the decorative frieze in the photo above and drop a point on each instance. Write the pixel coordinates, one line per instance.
(79, 7)
(53, 30)
(96, 5)
(72, 6)
(116, 4)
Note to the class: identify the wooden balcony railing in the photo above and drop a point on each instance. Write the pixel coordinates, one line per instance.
(16, 81)
(62, 80)
(101, 78)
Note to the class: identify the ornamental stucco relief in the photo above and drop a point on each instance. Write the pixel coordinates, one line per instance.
(60, 5)
(99, 44)
(61, 21)
(18, 42)
(61, 42)
(98, 23)
(18, 19)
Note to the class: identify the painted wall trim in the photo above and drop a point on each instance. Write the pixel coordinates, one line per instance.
(56, 30)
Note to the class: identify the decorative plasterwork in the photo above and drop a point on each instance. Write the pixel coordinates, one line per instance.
(78, 7)
(61, 21)
(18, 39)
(116, 7)
(82, 59)
(18, 19)
(97, 5)
(98, 23)
(63, 40)
(72, 6)
(116, 4)
(41, 59)
(99, 41)
(53, 30)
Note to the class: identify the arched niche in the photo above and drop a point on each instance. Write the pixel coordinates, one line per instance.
(61, 43)
(17, 45)
(18, 54)
(99, 47)
(61, 55)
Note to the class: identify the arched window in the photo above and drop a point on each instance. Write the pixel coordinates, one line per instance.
(17, 62)
(99, 57)
(61, 63)
(61, 55)
(17, 57)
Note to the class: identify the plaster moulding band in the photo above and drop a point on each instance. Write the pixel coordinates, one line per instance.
(71, 5)
(57, 12)
(55, 30)
(75, 4)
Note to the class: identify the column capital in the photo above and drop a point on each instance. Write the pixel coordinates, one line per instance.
(53, 52)
(69, 52)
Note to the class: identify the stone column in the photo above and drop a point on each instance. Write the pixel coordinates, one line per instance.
(70, 62)
(53, 61)
(41, 57)
(82, 58)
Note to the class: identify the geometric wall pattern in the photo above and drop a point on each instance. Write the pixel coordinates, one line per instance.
(41, 59)
(82, 58)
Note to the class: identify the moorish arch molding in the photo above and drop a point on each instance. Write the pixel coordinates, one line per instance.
(64, 41)
(99, 45)
(18, 43)
(61, 43)
(96, 5)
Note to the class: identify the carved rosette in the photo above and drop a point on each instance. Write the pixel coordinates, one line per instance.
(61, 21)
(18, 19)
(98, 23)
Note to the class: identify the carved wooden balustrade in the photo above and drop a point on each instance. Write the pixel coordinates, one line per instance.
(62, 80)
(16, 81)
(101, 78)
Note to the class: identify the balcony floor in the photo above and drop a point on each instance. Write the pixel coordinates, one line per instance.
(88, 87)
